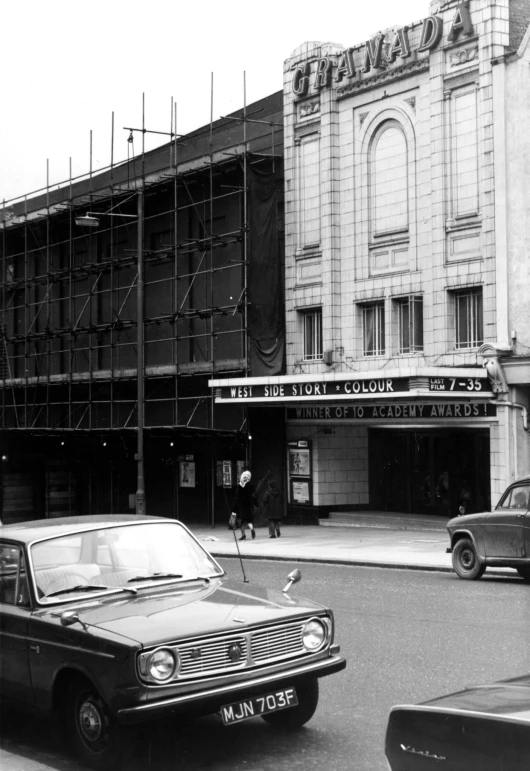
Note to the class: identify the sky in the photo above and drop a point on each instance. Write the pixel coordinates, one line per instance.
(67, 66)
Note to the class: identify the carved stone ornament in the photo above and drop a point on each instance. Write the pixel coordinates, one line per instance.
(463, 56)
(309, 108)
(362, 117)
(494, 368)
(412, 102)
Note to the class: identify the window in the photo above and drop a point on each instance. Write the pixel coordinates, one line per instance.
(464, 127)
(55, 552)
(389, 180)
(468, 318)
(309, 191)
(410, 324)
(13, 579)
(313, 335)
(516, 498)
(374, 329)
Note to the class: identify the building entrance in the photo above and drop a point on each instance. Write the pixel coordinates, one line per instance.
(429, 472)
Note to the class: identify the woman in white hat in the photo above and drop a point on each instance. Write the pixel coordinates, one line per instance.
(244, 504)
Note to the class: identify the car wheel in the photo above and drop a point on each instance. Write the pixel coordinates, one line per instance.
(295, 717)
(524, 573)
(466, 563)
(94, 736)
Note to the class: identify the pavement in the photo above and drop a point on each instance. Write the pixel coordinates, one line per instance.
(370, 539)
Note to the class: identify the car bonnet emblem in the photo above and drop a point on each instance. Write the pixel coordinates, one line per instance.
(235, 652)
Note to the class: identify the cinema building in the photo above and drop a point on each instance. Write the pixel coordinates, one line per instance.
(407, 271)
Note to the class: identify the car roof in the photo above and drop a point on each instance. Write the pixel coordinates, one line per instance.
(526, 478)
(26, 532)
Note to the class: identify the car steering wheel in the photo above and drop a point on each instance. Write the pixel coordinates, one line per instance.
(66, 582)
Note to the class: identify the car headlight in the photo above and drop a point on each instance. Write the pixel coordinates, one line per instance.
(314, 634)
(161, 664)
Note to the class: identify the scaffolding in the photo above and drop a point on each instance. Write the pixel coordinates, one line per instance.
(146, 307)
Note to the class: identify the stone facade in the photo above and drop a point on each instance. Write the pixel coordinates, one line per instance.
(457, 111)
(407, 270)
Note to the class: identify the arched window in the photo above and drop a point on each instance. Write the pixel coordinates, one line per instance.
(389, 192)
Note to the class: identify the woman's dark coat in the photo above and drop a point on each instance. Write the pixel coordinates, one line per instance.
(273, 504)
(244, 503)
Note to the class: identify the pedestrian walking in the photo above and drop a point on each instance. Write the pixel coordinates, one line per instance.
(244, 504)
(273, 508)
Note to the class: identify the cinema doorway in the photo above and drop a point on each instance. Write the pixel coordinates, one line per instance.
(427, 472)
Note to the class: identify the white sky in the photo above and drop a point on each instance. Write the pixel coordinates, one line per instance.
(67, 65)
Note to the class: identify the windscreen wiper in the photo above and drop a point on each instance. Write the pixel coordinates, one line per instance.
(91, 588)
(154, 577)
(79, 588)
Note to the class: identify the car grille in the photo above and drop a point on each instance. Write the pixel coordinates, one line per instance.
(238, 651)
(203, 658)
(277, 642)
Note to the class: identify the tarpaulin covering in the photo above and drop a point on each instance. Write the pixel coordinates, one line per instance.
(266, 316)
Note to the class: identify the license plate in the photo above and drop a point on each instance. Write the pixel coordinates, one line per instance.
(259, 705)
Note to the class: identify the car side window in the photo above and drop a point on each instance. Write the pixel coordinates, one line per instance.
(516, 498)
(13, 577)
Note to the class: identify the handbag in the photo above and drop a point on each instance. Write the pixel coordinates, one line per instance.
(232, 522)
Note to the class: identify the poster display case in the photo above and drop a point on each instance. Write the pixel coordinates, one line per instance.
(187, 471)
(299, 467)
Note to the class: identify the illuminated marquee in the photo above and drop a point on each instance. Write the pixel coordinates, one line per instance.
(404, 411)
(312, 390)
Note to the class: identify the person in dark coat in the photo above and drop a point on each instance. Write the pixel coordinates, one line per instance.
(244, 504)
(273, 508)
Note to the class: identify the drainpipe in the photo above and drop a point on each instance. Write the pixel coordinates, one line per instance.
(501, 171)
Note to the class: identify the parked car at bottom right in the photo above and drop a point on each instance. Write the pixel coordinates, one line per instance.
(484, 727)
(499, 538)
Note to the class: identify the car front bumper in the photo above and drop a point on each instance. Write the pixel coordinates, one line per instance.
(210, 700)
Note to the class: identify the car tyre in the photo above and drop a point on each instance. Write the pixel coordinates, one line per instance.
(524, 573)
(296, 717)
(93, 734)
(466, 563)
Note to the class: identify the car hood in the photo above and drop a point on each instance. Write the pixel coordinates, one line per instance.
(163, 614)
(505, 698)
(466, 520)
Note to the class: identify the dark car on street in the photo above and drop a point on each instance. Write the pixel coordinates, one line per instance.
(486, 728)
(499, 538)
(109, 621)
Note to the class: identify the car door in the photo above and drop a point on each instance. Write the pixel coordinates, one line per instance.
(15, 612)
(506, 528)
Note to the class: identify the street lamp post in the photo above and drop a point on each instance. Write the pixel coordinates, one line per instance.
(140, 483)
(90, 220)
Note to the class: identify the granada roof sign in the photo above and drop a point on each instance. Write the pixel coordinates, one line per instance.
(378, 53)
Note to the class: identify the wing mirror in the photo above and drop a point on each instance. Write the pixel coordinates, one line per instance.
(293, 578)
(69, 617)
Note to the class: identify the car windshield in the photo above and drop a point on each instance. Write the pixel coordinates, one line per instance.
(113, 557)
